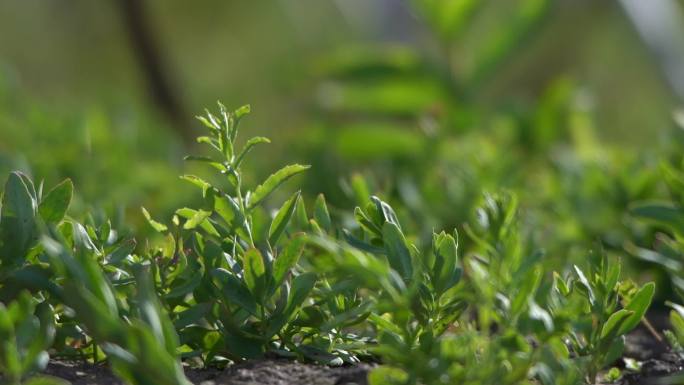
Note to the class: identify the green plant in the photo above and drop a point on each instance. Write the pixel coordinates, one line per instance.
(600, 313)
(244, 286)
(141, 350)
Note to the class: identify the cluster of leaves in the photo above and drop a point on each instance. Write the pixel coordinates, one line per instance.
(59, 293)
(494, 317)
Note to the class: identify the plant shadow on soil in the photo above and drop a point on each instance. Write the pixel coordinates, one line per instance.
(261, 372)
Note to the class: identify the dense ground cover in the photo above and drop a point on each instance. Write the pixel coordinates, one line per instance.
(229, 280)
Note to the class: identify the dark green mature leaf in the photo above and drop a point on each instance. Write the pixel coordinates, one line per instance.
(638, 305)
(282, 219)
(526, 291)
(122, 251)
(301, 287)
(321, 214)
(272, 182)
(54, 205)
(398, 253)
(233, 290)
(254, 270)
(366, 222)
(17, 223)
(192, 315)
(362, 245)
(450, 314)
(151, 312)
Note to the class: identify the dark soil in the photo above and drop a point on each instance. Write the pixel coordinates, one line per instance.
(257, 372)
(657, 361)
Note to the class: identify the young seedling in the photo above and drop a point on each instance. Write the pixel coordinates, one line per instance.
(600, 314)
(245, 284)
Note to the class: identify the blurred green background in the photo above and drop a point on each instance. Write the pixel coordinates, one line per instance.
(104, 92)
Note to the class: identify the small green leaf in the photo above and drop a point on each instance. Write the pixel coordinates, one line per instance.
(248, 147)
(677, 322)
(288, 258)
(386, 211)
(272, 182)
(614, 323)
(282, 219)
(54, 205)
(207, 123)
(197, 218)
(197, 181)
(561, 286)
(159, 227)
(243, 111)
(584, 283)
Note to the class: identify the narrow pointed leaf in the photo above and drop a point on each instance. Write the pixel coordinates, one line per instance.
(321, 214)
(159, 227)
(272, 182)
(282, 219)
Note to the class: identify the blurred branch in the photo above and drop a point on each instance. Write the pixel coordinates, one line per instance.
(149, 57)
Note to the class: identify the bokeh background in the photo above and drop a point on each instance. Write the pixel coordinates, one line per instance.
(431, 101)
